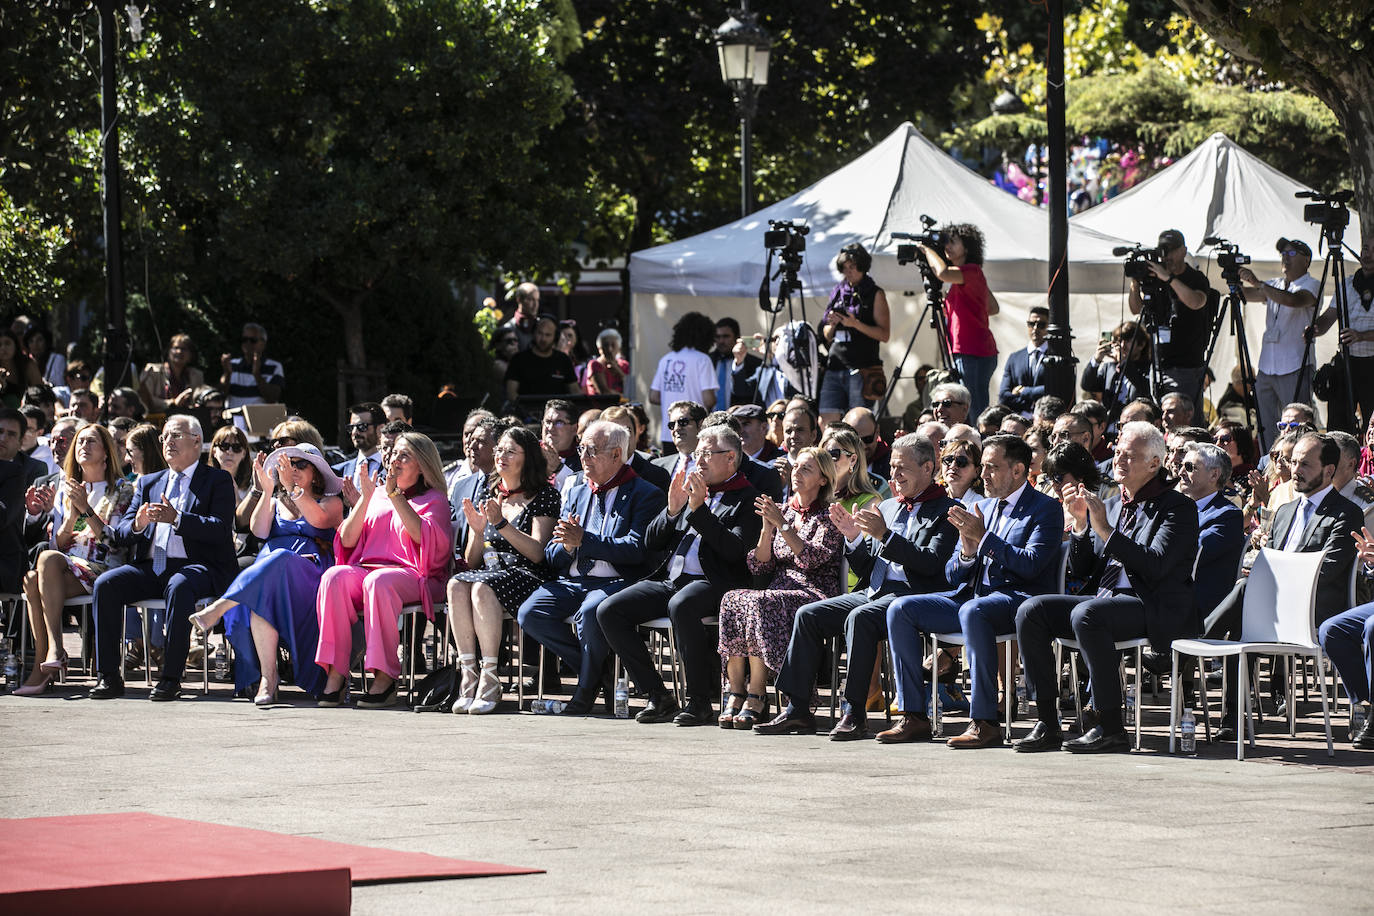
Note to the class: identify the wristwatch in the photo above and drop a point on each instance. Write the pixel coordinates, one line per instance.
(785, 527)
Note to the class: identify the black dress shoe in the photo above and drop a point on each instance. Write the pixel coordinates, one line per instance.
(850, 728)
(659, 709)
(1043, 737)
(165, 691)
(698, 712)
(1227, 730)
(1096, 742)
(579, 706)
(107, 687)
(1364, 738)
(788, 722)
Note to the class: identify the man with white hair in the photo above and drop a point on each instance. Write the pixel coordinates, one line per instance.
(1204, 473)
(180, 533)
(1139, 575)
(597, 549)
(950, 403)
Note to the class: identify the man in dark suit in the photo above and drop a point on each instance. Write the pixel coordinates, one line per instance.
(1008, 551)
(597, 549)
(684, 425)
(899, 548)
(705, 532)
(1023, 381)
(735, 366)
(180, 527)
(480, 447)
(365, 431)
(12, 561)
(1138, 582)
(1318, 519)
(1205, 472)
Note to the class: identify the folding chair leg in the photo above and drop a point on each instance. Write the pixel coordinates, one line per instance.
(519, 665)
(1008, 691)
(1175, 701)
(1243, 723)
(1326, 714)
(143, 614)
(1139, 695)
(937, 729)
(834, 675)
(678, 686)
(1202, 693)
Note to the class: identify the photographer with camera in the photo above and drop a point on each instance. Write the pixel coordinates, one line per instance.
(1283, 374)
(1177, 315)
(968, 305)
(855, 322)
(1358, 338)
(1120, 369)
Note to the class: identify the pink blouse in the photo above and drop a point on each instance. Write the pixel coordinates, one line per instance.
(385, 542)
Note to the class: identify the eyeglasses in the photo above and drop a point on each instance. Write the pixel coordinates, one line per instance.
(300, 464)
(705, 454)
(507, 452)
(835, 453)
(956, 461)
(946, 403)
(778, 415)
(174, 436)
(1289, 424)
(228, 446)
(360, 427)
(1223, 440)
(681, 423)
(555, 424)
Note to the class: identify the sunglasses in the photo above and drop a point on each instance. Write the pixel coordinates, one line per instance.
(1037, 324)
(868, 440)
(835, 453)
(1290, 424)
(681, 423)
(228, 446)
(360, 427)
(1292, 252)
(283, 442)
(955, 461)
(300, 464)
(775, 416)
(1189, 466)
(1223, 440)
(945, 403)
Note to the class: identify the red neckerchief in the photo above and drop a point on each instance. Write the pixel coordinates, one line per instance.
(567, 453)
(737, 481)
(816, 505)
(621, 476)
(934, 491)
(507, 494)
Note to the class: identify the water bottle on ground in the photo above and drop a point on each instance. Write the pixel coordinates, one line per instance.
(1187, 727)
(221, 664)
(622, 699)
(1130, 706)
(546, 707)
(1022, 698)
(11, 663)
(429, 652)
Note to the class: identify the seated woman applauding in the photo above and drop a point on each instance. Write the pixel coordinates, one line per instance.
(960, 466)
(92, 493)
(800, 547)
(274, 599)
(393, 549)
(508, 527)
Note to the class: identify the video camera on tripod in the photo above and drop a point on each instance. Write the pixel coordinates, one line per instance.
(1328, 210)
(1229, 258)
(928, 236)
(1137, 257)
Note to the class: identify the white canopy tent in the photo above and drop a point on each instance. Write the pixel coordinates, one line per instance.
(884, 190)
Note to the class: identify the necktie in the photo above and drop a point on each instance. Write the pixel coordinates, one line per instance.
(1111, 573)
(596, 511)
(679, 558)
(1034, 363)
(164, 530)
(724, 378)
(986, 560)
(1300, 518)
(881, 566)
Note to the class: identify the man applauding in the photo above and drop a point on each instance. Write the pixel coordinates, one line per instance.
(900, 548)
(1139, 583)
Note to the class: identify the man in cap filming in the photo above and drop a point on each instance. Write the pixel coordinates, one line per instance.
(1290, 301)
(1181, 341)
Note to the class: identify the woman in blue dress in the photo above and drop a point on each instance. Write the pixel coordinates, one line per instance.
(272, 602)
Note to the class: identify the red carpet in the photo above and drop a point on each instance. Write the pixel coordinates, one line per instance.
(115, 863)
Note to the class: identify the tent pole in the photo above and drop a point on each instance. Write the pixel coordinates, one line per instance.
(1060, 382)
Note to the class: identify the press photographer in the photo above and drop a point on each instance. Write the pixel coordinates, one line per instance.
(1284, 374)
(855, 322)
(1357, 336)
(968, 304)
(1173, 297)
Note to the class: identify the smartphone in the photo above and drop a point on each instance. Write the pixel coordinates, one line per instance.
(1105, 336)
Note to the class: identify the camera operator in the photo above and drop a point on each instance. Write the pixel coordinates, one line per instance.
(968, 305)
(855, 322)
(1358, 336)
(1120, 369)
(1289, 305)
(1182, 335)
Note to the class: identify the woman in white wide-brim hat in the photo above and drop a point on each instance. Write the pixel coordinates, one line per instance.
(272, 602)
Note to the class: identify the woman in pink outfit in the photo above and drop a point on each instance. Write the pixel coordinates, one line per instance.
(394, 549)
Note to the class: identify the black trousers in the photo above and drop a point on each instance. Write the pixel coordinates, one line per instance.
(1098, 624)
(182, 584)
(862, 620)
(686, 606)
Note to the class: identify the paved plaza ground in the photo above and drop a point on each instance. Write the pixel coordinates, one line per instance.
(627, 818)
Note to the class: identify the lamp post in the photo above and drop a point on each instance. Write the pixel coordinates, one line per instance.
(744, 48)
(116, 359)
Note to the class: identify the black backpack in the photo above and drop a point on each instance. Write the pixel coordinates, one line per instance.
(437, 691)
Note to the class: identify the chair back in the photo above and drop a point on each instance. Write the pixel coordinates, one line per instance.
(1064, 566)
(1281, 597)
(844, 574)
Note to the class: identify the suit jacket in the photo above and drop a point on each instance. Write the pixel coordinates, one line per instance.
(33, 469)
(1017, 371)
(1329, 529)
(923, 552)
(764, 478)
(1158, 557)
(12, 548)
(667, 464)
(345, 469)
(621, 541)
(743, 381)
(206, 527)
(1024, 561)
(727, 534)
(651, 472)
(1221, 541)
(768, 453)
(473, 487)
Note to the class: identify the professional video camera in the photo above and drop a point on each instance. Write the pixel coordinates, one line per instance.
(787, 238)
(928, 236)
(1330, 210)
(1136, 257)
(1229, 258)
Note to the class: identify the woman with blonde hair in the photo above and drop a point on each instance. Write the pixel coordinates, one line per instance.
(172, 382)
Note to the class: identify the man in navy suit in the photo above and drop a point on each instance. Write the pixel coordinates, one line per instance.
(598, 549)
(479, 445)
(1008, 552)
(365, 430)
(704, 534)
(1023, 381)
(898, 548)
(180, 526)
(1205, 472)
(1138, 582)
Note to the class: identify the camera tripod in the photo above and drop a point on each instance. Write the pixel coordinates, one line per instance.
(802, 340)
(934, 311)
(1234, 305)
(1333, 265)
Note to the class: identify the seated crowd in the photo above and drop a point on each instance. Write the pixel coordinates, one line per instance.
(759, 533)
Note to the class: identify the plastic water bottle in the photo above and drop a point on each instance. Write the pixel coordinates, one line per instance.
(221, 664)
(429, 651)
(11, 663)
(622, 698)
(1187, 727)
(1130, 705)
(1357, 719)
(1022, 697)
(547, 707)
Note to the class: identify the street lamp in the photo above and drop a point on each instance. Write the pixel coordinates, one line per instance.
(744, 47)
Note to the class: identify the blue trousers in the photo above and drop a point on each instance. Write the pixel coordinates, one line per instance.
(976, 375)
(181, 585)
(544, 615)
(981, 619)
(1349, 639)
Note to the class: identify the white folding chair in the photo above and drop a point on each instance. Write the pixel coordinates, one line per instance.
(1277, 619)
(159, 604)
(1124, 646)
(84, 602)
(957, 639)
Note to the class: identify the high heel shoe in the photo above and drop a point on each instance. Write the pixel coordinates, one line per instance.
(266, 697)
(58, 666)
(332, 698)
(467, 687)
(488, 692)
(747, 717)
(729, 708)
(42, 687)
